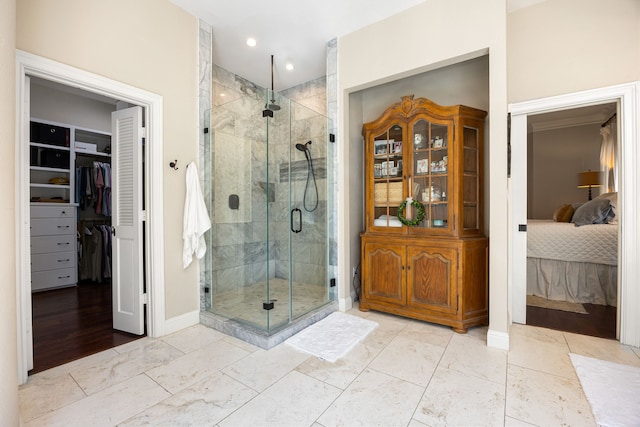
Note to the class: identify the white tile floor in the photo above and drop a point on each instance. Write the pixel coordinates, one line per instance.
(405, 373)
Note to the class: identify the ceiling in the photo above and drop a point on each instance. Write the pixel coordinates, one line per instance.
(294, 31)
(580, 116)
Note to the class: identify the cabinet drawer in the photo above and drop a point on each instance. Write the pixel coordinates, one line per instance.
(47, 244)
(64, 211)
(53, 261)
(52, 278)
(52, 227)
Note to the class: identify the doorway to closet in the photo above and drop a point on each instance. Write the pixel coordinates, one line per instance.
(73, 285)
(148, 213)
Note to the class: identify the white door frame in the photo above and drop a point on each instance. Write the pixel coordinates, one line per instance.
(32, 65)
(628, 98)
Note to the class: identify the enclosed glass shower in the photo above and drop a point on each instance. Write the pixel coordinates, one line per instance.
(265, 184)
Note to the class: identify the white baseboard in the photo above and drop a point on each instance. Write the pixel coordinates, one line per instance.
(345, 304)
(497, 339)
(180, 322)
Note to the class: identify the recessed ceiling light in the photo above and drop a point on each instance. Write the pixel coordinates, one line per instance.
(289, 67)
(251, 42)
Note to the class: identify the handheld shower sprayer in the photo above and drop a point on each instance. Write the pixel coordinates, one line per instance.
(310, 173)
(304, 148)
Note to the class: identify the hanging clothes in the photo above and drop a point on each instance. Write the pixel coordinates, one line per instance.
(195, 220)
(93, 189)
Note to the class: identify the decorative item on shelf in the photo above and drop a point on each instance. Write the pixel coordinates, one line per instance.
(396, 147)
(86, 146)
(59, 180)
(422, 166)
(436, 194)
(437, 142)
(387, 193)
(438, 166)
(377, 170)
(419, 142)
(420, 212)
(380, 147)
(387, 168)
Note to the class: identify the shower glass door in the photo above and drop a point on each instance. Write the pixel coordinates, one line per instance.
(268, 254)
(298, 138)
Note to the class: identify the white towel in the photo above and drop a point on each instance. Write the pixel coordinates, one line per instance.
(196, 219)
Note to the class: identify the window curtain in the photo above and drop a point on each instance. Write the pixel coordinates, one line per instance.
(608, 157)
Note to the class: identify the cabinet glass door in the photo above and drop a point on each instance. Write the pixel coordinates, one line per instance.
(387, 177)
(471, 179)
(430, 180)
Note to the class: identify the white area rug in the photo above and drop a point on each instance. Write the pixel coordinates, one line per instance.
(332, 337)
(572, 307)
(612, 390)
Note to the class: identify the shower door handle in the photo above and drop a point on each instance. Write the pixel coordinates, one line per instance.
(299, 229)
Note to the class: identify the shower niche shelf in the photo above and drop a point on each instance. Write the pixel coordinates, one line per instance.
(424, 254)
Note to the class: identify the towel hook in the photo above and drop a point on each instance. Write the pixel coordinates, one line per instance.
(174, 165)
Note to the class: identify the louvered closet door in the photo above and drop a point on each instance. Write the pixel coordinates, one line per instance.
(127, 275)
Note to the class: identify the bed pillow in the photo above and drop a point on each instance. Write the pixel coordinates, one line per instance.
(596, 211)
(613, 198)
(563, 214)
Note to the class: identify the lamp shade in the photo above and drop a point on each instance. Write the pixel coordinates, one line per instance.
(589, 179)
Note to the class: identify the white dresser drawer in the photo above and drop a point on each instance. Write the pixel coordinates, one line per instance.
(53, 261)
(49, 279)
(52, 226)
(46, 244)
(63, 211)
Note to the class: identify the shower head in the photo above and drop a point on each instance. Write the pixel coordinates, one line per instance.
(272, 105)
(303, 147)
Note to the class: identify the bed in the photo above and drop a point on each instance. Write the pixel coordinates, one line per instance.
(570, 263)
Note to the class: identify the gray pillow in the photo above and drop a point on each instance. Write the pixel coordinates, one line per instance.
(596, 211)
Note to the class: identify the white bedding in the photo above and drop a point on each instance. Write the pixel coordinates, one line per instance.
(597, 244)
(569, 263)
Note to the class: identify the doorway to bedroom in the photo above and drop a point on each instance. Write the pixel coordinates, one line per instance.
(572, 220)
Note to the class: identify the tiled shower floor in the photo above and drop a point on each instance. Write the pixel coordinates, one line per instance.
(244, 304)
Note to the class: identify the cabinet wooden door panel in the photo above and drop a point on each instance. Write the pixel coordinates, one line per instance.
(384, 273)
(431, 278)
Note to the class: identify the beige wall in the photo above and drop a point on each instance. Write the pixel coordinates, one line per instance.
(426, 37)
(149, 44)
(8, 327)
(564, 46)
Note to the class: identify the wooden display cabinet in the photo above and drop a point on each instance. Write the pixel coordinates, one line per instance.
(427, 260)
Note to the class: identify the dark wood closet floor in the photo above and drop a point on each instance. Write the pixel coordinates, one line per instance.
(599, 322)
(72, 323)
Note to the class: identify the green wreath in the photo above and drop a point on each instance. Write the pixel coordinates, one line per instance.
(419, 217)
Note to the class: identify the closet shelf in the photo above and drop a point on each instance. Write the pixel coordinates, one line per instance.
(93, 154)
(37, 185)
